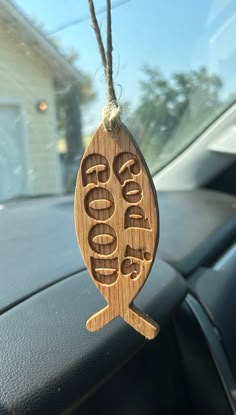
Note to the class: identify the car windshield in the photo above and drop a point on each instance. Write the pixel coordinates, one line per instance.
(174, 73)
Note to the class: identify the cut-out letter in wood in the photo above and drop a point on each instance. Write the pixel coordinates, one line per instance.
(117, 225)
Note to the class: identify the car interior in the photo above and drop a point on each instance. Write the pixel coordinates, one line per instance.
(51, 364)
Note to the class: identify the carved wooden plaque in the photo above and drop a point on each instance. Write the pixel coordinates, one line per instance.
(117, 225)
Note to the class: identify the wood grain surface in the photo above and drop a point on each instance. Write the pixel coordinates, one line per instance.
(117, 225)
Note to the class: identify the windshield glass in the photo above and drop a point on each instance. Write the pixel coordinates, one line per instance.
(174, 73)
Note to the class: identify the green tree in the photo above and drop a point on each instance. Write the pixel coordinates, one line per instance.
(173, 110)
(70, 100)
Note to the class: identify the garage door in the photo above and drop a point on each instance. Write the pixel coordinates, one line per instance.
(13, 166)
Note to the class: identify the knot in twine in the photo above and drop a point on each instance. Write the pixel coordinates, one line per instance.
(111, 115)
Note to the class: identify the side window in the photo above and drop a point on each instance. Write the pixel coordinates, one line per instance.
(174, 75)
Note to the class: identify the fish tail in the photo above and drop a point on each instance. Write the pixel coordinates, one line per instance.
(141, 322)
(101, 318)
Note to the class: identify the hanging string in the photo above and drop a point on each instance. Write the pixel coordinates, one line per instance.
(112, 111)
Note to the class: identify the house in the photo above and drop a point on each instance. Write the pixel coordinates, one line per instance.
(32, 74)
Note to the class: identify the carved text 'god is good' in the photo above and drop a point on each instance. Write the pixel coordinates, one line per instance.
(100, 205)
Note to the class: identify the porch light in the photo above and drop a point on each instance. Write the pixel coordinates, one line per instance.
(42, 106)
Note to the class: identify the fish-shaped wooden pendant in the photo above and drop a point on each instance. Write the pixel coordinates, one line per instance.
(117, 225)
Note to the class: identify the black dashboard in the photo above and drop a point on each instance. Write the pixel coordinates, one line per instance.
(51, 364)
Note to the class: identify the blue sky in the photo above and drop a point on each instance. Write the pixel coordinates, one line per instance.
(175, 35)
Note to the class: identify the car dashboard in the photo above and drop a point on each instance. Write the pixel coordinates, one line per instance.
(50, 363)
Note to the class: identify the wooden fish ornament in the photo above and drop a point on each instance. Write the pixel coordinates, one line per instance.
(117, 225)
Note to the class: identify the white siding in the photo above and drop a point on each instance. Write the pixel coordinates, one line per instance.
(25, 77)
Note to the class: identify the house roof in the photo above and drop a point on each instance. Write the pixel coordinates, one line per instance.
(11, 14)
